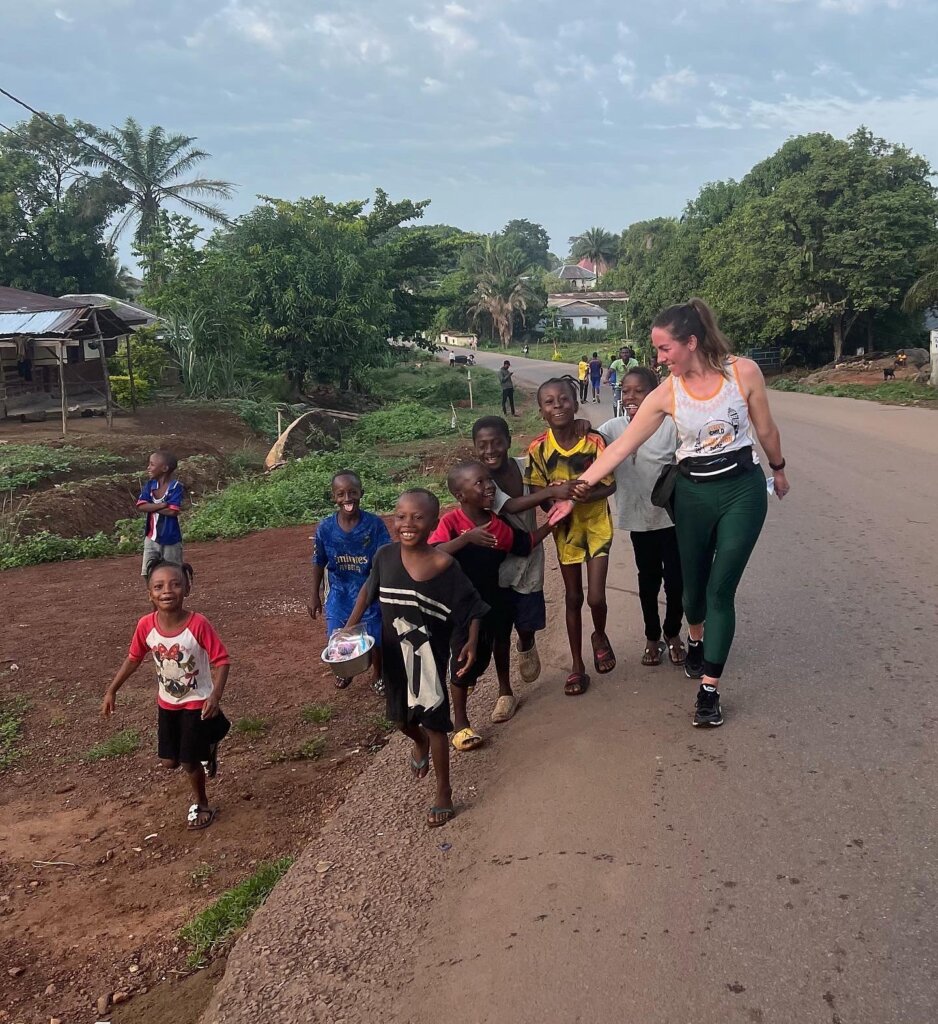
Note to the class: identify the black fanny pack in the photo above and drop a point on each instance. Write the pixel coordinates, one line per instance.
(717, 467)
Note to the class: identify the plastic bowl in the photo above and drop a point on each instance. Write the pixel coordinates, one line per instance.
(353, 666)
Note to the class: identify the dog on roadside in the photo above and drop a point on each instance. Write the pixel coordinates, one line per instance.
(889, 373)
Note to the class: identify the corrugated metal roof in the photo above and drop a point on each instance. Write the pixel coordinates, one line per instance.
(127, 311)
(52, 321)
(580, 309)
(15, 300)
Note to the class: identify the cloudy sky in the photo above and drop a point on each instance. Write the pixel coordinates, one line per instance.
(570, 114)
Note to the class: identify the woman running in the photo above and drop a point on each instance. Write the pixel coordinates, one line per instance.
(720, 498)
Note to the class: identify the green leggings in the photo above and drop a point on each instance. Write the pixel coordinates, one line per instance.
(718, 523)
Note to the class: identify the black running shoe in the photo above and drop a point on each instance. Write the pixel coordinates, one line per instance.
(693, 663)
(708, 712)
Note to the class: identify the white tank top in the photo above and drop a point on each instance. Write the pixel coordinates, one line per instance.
(714, 424)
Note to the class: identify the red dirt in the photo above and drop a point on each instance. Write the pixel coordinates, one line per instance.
(78, 930)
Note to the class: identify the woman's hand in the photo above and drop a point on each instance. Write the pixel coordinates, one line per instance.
(782, 486)
(559, 512)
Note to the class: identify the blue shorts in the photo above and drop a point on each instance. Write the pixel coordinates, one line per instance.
(528, 611)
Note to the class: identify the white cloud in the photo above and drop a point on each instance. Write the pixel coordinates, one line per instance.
(622, 30)
(717, 88)
(625, 68)
(352, 38)
(446, 32)
(432, 85)
(62, 16)
(669, 87)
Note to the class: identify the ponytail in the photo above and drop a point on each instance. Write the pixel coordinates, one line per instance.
(695, 318)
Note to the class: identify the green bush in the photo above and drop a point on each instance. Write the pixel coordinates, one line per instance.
(406, 421)
(120, 390)
(122, 743)
(49, 547)
(11, 728)
(896, 392)
(437, 385)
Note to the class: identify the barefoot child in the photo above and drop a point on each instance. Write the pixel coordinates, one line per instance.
(425, 602)
(480, 541)
(560, 455)
(653, 536)
(161, 499)
(345, 544)
(191, 669)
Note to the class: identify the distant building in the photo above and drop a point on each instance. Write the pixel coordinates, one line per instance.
(581, 315)
(583, 280)
(459, 339)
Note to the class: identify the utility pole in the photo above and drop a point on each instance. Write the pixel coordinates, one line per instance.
(933, 379)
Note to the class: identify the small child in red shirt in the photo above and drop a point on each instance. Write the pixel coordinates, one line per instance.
(192, 669)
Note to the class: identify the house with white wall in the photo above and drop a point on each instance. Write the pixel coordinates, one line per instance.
(582, 279)
(581, 315)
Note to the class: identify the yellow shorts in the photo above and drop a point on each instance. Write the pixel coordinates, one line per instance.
(580, 539)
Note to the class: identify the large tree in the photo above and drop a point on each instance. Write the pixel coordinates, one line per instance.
(597, 245)
(153, 169)
(52, 215)
(827, 234)
(532, 239)
(505, 294)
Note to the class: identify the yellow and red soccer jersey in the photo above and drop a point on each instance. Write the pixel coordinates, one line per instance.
(587, 532)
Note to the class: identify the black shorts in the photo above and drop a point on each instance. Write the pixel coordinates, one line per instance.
(495, 626)
(528, 611)
(397, 711)
(184, 737)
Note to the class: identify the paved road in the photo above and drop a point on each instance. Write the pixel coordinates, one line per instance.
(625, 867)
(612, 865)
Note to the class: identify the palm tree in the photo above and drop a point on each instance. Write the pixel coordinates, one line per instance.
(923, 292)
(598, 246)
(502, 289)
(148, 166)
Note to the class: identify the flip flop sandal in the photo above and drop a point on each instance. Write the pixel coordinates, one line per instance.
(505, 708)
(676, 651)
(378, 686)
(652, 655)
(341, 683)
(192, 818)
(467, 739)
(211, 765)
(577, 683)
(423, 765)
(433, 820)
(603, 658)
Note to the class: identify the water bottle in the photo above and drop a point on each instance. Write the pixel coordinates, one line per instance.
(770, 484)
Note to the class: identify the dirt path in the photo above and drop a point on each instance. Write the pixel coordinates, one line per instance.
(610, 863)
(107, 919)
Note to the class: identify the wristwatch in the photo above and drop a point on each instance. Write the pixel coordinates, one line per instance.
(777, 468)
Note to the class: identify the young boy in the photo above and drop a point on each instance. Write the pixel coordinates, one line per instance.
(425, 601)
(561, 455)
(345, 544)
(523, 577)
(583, 370)
(161, 499)
(479, 540)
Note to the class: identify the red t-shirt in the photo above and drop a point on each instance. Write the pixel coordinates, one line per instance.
(184, 660)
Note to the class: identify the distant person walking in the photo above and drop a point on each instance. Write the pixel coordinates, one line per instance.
(596, 375)
(583, 373)
(719, 498)
(506, 379)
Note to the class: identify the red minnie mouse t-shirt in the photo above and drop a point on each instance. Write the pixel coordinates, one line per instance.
(183, 660)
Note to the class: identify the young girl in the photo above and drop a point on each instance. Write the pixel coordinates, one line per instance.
(346, 544)
(654, 539)
(191, 669)
(561, 455)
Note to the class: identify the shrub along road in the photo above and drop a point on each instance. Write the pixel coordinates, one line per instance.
(609, 862)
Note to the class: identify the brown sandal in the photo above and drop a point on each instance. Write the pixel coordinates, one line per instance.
(603, 659)
(676, 650)
(653, 652)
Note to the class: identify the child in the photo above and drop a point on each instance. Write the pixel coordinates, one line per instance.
(425, 601)
(516, 503)
(561, 455)
(479, 540)
(191, 669)
(654, 539)
(161, 499)
(583, 370)
(346, 544)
